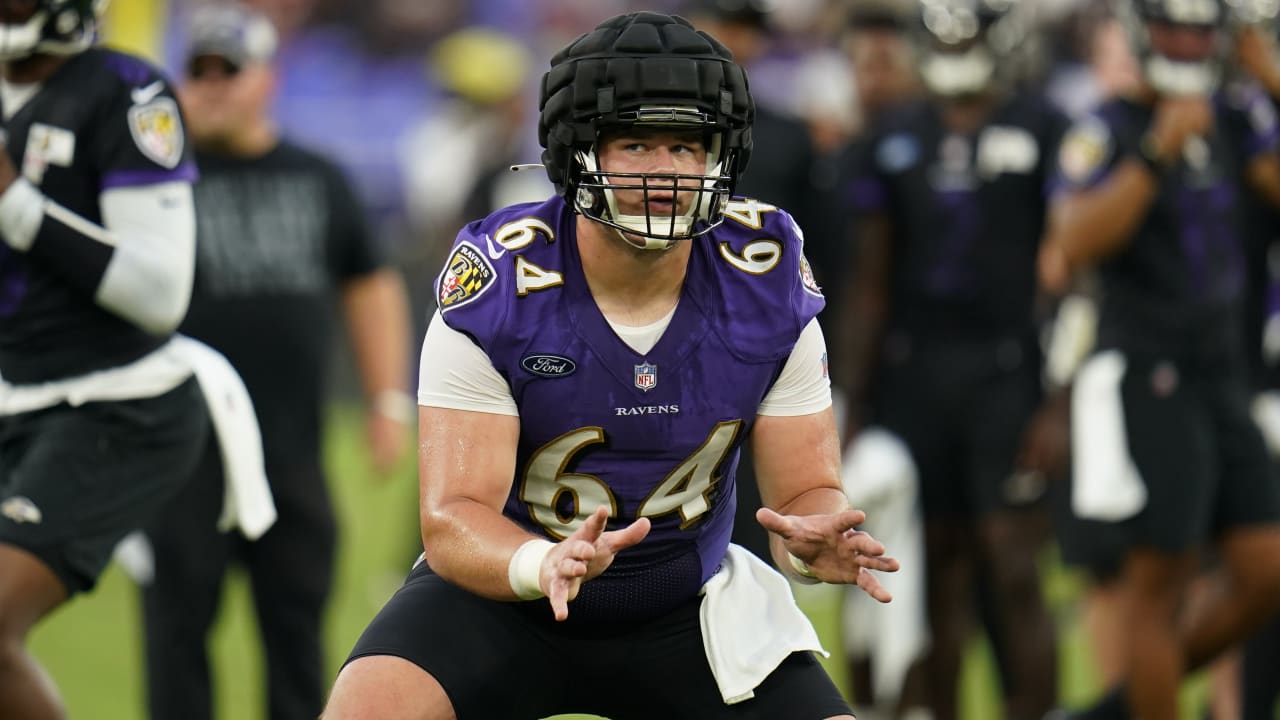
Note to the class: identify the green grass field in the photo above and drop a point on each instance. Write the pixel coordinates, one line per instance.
(92, 646)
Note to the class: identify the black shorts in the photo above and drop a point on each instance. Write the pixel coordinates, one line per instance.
(1199, 454)
(961, 408)
(75, 480)
(512, 661)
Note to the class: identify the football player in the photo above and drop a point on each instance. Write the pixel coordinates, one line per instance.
(1151, 192)
(941, 332)
(596, 363)
(100, 420)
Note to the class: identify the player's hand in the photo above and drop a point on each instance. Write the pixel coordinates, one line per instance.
(583, 556)
(1177, 120)
(388, 440)
(1256, 51)
(1046, 441)
(1054, 269)
(8, 173)
(833, 547)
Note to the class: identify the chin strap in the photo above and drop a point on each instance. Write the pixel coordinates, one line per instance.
(641, 242)
(1172, 77)
(19, 41)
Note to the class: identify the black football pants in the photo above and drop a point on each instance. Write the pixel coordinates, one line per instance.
(290, 570)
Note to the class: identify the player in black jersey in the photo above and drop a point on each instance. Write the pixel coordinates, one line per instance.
(1152, 191)
(941, 332)
(100, 419)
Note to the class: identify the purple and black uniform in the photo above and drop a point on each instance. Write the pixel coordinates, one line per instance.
(74, 480)
(959, 371)
(103, 120)
(1171, 309)
(652, 435)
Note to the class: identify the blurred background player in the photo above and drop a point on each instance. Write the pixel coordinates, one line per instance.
(882, 645)
(1152, 192)
(282, 247)
(100, 419)
(942, 333)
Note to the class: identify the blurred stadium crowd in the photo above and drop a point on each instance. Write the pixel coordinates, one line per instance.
(427, 105)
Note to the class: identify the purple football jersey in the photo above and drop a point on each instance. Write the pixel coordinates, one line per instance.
(652, 435)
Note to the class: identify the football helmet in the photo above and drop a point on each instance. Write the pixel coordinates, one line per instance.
(1254, 12)
(645, 70)
(965, 45)
(1190, 63)
(58, 27)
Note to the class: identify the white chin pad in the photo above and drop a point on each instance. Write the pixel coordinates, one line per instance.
(678, 228)
(20, 41)
(1173, 77)
(958, 73)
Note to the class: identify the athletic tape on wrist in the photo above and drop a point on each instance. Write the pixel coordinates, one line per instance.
(525, 570)
(397, 405)
(21, 211)
(802, 569)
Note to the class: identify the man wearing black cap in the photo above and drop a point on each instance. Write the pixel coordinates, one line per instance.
(281, 237)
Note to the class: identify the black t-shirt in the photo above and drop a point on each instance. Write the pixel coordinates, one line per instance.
(277, 237)
(103, 120)
(1175, 288)
(967, 213)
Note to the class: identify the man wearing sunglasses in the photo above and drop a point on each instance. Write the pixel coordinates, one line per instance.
(281, 241)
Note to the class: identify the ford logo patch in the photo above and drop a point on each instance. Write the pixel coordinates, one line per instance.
(548, 366)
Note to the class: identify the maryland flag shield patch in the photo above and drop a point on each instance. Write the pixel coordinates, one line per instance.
(807, 279)
(156, 127)
(466, 275)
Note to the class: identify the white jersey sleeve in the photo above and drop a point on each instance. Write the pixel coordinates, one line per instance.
(455, 373)
(804, 386)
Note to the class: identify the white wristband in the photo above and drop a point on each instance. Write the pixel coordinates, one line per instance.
(806, 576)
(397, 405)
(21, 213)
(525, 571)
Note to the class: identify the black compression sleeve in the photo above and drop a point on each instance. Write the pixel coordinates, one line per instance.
(78, 258)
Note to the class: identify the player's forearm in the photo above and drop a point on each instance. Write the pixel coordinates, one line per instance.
(466, 462)
(471, 545)
(861, 345)
(378, 319)
(823, 500)
(139, 264)
(1263, 175)
(866, 311)
(1090, 225)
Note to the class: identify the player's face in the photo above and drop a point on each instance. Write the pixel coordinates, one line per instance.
(222, 100)
(1185, 43)
(13, 12)
(654, 152)
(881, 63)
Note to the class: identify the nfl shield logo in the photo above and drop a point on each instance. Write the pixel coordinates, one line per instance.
(646, 376)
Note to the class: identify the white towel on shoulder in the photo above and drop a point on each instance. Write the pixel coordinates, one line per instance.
(247, 503)
(750, 624)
